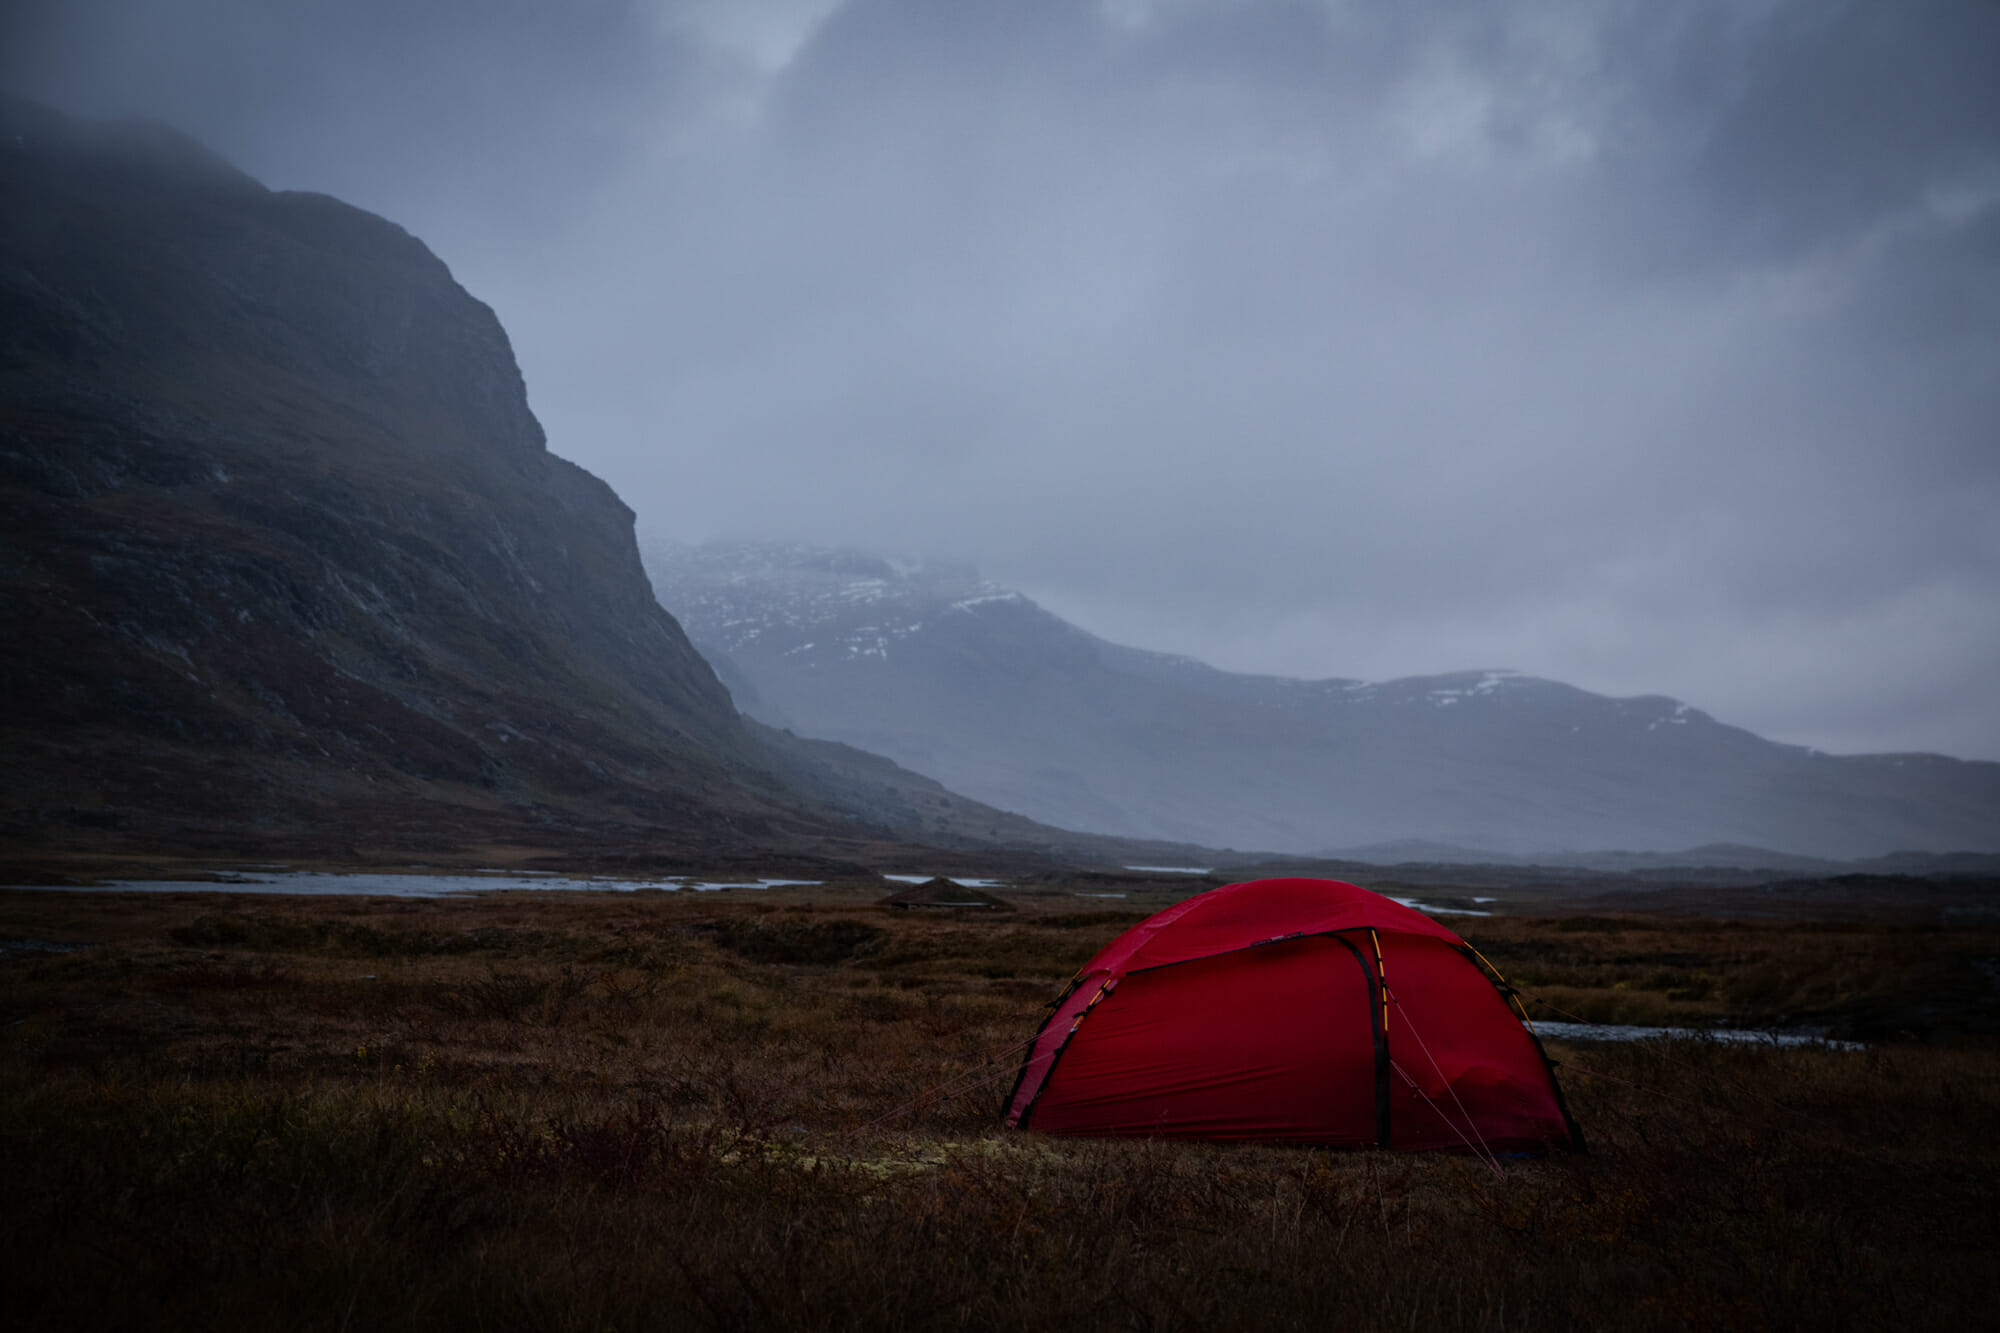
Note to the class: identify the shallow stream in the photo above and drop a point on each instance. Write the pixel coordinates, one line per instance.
(1735, 1036)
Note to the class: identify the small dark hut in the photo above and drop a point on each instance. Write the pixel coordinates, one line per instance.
(947, 895)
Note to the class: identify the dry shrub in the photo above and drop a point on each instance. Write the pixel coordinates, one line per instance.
(789, 940)
(280, 933)
(205, 975)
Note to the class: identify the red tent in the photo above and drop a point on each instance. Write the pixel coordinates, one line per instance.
(1301, 1010)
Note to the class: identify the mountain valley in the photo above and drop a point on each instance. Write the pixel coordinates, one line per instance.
(975, 685)
(289, 570)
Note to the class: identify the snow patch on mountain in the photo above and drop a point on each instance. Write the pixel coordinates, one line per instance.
(844, 605)
(831, 607)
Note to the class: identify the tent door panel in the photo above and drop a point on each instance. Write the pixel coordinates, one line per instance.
(1275, 1042)
(1480, 1079)
(1370, 963)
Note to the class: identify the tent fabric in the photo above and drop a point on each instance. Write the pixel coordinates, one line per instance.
(1296, 1010)
(1237, 916)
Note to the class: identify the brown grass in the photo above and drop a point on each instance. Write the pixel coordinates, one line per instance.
(583, 1111)
(1872, 980)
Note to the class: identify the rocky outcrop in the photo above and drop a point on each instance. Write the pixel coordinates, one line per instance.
(285, 561)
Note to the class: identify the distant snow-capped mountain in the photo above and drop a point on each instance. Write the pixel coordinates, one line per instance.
(978, 687)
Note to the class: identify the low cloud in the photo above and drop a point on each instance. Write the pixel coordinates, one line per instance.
(1656, 348)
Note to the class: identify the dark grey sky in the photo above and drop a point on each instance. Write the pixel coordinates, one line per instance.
(1651, 346)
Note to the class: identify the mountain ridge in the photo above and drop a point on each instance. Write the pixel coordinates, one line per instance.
(977, 686)
(288, 566)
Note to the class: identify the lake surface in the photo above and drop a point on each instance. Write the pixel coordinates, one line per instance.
(440, 886)
(421, 886)
(1734, 1036)
(1419, 905)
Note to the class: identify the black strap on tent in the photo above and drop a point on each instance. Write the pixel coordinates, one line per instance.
(1378, 1024)
(1382, 1061)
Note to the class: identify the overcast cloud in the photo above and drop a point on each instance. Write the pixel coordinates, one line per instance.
(1650, 346)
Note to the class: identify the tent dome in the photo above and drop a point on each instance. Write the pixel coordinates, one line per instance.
(1296, 1010)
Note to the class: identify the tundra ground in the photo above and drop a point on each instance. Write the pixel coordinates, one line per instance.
(612, 1111)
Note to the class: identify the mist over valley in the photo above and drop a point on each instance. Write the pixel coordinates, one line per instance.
(977, 686)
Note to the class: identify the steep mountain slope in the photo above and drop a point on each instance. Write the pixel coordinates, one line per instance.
(285, 562)
(884, 795)
(993, 696)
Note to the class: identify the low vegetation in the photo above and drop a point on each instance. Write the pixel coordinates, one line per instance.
(1872, 980)
(733, 1111)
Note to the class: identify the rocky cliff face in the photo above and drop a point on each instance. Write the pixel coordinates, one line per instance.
(284, 559)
